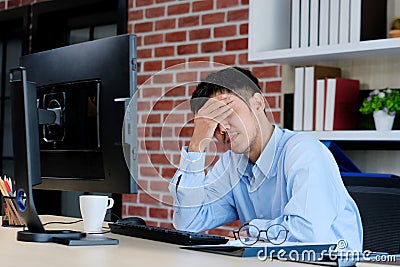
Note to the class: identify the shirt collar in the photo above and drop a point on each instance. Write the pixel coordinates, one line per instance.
(265, 162)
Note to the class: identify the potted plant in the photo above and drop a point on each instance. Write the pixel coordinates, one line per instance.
(383, 104)
(395, 28)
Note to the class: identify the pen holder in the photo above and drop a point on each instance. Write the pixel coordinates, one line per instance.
(10, 216)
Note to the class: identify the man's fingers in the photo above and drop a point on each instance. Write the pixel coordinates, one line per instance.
(213, 107)
(223, 113)
(221, 110)
(215, 103)
(216, 114)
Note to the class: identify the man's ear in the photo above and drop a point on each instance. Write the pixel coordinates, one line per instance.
(258, 102)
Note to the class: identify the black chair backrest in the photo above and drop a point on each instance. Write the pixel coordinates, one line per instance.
(378, 200)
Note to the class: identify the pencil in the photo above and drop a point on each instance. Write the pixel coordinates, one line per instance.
(14, 217)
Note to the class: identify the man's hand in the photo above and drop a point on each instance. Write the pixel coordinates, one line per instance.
(207, 119)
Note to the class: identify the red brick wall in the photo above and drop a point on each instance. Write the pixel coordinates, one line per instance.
(171, 32)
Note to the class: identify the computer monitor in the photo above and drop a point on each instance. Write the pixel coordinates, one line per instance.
(68, 107)
(85, 81)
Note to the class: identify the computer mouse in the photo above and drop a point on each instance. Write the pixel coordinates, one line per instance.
(132, 221)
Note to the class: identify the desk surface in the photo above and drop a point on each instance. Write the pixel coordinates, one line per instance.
(130, 252)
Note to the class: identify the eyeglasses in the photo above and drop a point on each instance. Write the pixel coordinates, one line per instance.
(249, 234)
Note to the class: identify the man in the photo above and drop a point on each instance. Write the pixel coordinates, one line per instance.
(268, 175)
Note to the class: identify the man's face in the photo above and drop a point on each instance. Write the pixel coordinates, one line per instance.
(239, 131)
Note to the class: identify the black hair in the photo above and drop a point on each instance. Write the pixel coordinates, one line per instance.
(233, 80)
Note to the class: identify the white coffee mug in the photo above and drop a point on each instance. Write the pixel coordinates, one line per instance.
(93, 210)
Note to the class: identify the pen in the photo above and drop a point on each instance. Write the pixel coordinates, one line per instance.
(6, 186)
(10, 184)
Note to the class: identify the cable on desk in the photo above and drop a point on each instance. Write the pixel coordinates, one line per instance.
(108, 230)
(63, 222)
(113, 215)
(80, 220)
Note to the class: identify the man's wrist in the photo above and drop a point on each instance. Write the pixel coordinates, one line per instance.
(195, 147)
(191, 162)
(200, 140)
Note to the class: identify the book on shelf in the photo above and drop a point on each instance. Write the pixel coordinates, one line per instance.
(314, 21)
(288, 111)
(341, 106)
(344, 21)
(368, 19)
(298, 99)
(334, 22)
(323, 30)
(295, 24)
(320, 105)
(355, 20)
(311, 74)
(304, 22)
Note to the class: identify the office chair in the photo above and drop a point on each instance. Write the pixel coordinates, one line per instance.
(378, 200)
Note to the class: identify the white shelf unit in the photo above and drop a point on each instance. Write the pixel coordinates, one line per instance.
(360, 50)
(375, 63)
(270, 33)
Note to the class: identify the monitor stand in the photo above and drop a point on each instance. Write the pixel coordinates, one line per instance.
(26, 152)
(48, 235)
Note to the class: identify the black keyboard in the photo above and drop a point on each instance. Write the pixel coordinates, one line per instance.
(165, 234)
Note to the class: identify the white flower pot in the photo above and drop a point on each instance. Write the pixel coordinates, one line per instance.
(383, 121)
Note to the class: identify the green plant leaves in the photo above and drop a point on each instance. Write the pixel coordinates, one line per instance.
(386, 99)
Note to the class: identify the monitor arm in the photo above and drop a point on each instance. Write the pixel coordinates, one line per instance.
(50, 116)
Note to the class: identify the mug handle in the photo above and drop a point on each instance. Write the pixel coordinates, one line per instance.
(110, 203)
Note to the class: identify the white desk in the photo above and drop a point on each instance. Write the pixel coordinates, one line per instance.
(130, 252)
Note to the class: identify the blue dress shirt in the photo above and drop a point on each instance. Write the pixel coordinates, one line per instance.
(295, 182)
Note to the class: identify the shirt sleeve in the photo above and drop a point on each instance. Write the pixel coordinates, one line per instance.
(201, 202)
(190, 175)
